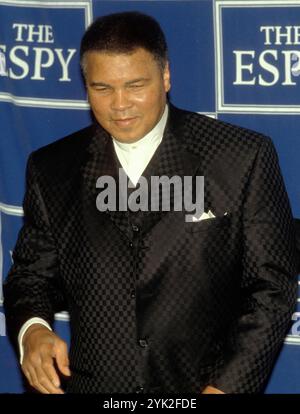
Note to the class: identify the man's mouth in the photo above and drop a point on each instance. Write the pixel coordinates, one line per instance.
(123, 122)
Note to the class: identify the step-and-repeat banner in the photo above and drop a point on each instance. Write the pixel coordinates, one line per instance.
(235, 60)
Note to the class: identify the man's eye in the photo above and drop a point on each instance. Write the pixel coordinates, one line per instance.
(136, 86)
(102, 89)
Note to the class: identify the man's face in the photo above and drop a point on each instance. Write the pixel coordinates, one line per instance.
(127, 92)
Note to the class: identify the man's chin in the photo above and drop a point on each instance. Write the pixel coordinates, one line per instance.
(126, 139)
(127, 136)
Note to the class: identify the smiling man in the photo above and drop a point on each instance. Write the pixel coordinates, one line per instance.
(156, 304)
(127, 91)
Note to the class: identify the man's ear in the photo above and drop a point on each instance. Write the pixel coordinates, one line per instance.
(167, 77)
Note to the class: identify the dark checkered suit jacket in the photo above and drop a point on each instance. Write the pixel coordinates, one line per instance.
(157, 303)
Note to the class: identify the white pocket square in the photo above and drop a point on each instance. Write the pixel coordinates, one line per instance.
(205, 216)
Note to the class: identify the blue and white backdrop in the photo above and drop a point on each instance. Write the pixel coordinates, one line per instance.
(235, 60)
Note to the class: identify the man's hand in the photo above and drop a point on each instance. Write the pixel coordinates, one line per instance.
(41, 348)
(212, 390)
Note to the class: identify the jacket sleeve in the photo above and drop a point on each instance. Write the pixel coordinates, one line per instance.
(269, 282)
(31, 288)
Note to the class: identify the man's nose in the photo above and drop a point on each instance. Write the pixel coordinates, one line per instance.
(120, 100)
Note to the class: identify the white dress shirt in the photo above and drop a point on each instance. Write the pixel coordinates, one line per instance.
(134, 158)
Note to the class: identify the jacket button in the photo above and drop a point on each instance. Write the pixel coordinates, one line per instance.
(143, 343)
(135, 228)
(139, 389)
(133, 294)
(130, 244)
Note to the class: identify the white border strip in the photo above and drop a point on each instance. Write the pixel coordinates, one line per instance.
(66, 4)
(44, 103)
(209, 114)
(11, 210)
(219, 80)
(292, 340)
(260, 3)
(62, 316)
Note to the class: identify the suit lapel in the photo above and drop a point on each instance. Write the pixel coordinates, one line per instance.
(100, 161)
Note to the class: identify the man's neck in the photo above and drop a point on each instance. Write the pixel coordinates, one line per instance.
(156, 131)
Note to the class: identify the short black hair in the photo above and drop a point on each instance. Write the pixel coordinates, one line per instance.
(123, 33)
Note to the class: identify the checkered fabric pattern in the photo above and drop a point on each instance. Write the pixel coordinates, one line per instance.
(157, 303)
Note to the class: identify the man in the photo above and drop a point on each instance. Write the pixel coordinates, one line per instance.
(156, 302)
